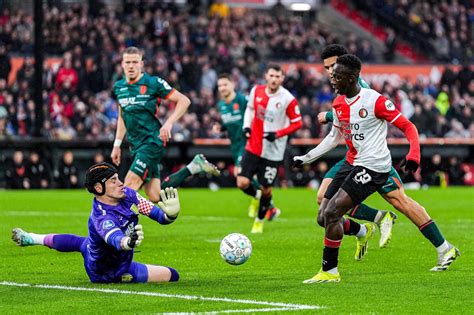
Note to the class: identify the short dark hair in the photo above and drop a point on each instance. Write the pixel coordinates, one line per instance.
(351, 62)
(333, 50)
(275, 67)
(224, 75)
(132, 50)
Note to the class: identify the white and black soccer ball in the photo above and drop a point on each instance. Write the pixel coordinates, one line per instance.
(236, 248)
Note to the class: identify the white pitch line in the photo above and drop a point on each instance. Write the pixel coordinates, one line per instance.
(255, 310)
(165, 295)
(43, 214)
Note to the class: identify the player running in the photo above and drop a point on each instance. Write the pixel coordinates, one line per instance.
(392, 191)
(232, 107)
(360, 117)
(383, 219)
(139, 95)
(114, 231)
(272, 114)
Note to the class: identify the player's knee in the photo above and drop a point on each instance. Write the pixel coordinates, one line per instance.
(320, 220)
(154, 198)
(243, 182)
(331, 215)
(266, 191)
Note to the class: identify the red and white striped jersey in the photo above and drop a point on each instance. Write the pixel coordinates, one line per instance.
(265, 112)
(362, 121)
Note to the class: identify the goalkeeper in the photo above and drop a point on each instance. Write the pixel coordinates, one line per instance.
(114, 231)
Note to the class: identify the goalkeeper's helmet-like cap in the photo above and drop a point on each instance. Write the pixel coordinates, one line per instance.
(99, 173)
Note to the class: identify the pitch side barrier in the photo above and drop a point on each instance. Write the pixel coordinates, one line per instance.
(216, 150)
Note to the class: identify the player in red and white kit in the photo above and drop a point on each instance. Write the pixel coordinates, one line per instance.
(272, 114)
(360, 118)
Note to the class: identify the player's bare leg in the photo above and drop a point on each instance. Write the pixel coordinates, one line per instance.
(161, 274)
(383, 219)
(133, 181)
(153, 189)
(447, 252)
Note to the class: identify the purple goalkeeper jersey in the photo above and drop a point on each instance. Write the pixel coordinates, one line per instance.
(104, 259)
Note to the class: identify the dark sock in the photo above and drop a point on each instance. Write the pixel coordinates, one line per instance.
(351, 227)
(176, 179)
(255, 184)
(330, 253)
(251, 191)
(65, 242)
(264, 206)
(432, 233)
(364, 212)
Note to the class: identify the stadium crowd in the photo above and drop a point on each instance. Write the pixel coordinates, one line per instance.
(189, 50)
(441, 27)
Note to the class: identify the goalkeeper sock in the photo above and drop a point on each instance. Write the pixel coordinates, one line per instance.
(364, 212)
(330, 254)
(38, 239)
(432, 233)
(176, 179)
(64, 242)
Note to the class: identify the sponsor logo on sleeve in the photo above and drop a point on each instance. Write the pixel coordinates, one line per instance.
(389, 105)
(108, 224)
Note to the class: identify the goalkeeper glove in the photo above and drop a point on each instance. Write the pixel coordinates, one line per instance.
(170, 202)
(134, 240)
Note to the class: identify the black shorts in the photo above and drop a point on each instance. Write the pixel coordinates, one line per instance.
(266, 170)
(357, 181)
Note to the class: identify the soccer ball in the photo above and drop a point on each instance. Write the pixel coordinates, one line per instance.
(236, 248)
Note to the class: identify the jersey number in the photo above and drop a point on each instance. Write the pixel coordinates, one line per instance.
(270, 173)
(362, 177)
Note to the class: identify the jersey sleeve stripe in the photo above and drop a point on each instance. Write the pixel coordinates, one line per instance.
(396, 117)
(110, 233)
(296, 119)
(169, 94)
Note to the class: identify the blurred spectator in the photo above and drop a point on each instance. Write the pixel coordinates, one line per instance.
(219, 9)
(37, 172)
(5, 63)
(433, 173)
(66, 175)
(16, 172)
(455, 172)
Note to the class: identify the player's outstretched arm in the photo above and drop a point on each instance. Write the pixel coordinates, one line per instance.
(116, 238)
(329, 142)
(119, 135)
(167, 210)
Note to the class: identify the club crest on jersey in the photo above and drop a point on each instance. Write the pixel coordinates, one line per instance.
(278, 105)
(363, 113)
(236, 107)
(108, 224)
(143, 89)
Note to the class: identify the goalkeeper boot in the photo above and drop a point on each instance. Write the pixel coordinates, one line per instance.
(323, 277)
(363, 242)
(385, 227)
(205, 165)
(257, 227)
(272, 213)
(446, 258)
(22, 238)
(253, 207)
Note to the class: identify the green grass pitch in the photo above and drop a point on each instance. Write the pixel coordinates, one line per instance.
(392, 280)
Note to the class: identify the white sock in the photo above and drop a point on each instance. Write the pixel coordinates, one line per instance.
(193, 168)
(379, 216)
(258, 195)
(38, 239)
(333, 271)
(362, 231)
(443, 247)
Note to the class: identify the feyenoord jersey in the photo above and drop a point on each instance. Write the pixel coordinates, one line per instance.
(362, 121)
(139, 102)
(269, 113)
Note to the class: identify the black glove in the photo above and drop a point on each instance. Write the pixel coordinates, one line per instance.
(297, 163)
(270, 136)
(133, 240)
(247, 133)
(409, 165)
